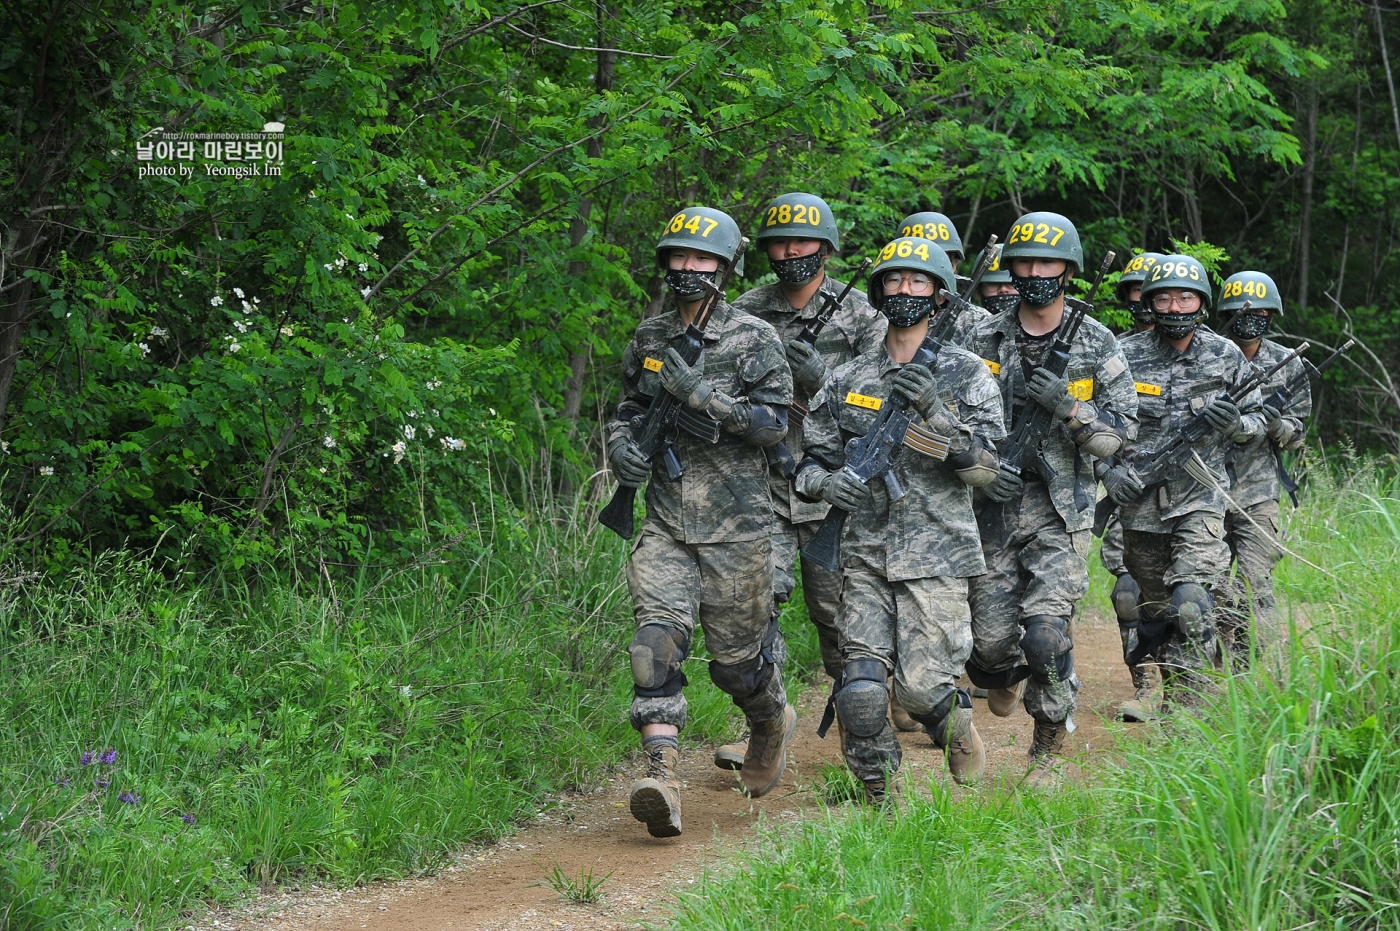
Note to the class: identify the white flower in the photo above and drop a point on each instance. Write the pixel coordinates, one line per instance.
(451, 443)
(434, 384)
(409, 432)
(145, 349)
(286, 331)
(364, 292)
(348, 217)
(238, 292)
(435, 412)
(364, 267)
(256, 301)
(185, 272)
(420, 180)
(400, 449)
(340, 262)
(323, 470)
(247, 308)
(234, 347)
(413, 414)
(328, 442)
(492, 410)
(216, 301)
(328, 266)
(240, 326)
(46, 470)
(431, 432)
(313, 193)
(159, 332)
(5, 447)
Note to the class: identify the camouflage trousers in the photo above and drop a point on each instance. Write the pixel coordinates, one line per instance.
(821, 588)
(921, 630)
(1111, 553)
(1190, 548)
(1253, 542)
(728, 589)
(1042, 570)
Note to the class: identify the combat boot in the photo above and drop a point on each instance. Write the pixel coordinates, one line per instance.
(876, 793)
(731, 756)
(767, 753)
(1142, 707)
(967, 757)
(901, 719)
(1001, 702)
(1044, 754)
(656, 798)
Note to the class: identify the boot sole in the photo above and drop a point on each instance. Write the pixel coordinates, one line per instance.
(728, 759)
(996, 708)
(650, 805)
(979, 760)
(1136, 715)
(791, 714)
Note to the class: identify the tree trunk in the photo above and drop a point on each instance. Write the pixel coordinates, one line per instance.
(1385, 60)
(1305, 211)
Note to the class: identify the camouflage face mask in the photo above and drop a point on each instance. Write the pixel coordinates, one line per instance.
(905, 310)
(799, 270)
(1249, 327)
(1038, 290)
(686, 285)
(1002, 303)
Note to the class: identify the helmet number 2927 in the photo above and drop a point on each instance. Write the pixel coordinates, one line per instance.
(1035, 232)
(680, 221)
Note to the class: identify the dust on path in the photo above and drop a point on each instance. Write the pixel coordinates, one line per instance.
(501, 886)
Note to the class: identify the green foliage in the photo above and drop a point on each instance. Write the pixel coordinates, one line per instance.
(586, 890)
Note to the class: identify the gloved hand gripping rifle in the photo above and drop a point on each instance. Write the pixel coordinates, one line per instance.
(797, 413)
(654, 432)
(1283, 397)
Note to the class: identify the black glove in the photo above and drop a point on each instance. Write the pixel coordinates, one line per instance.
(845, 490)
(683, 381)
(1123, 484)
(808, 369)
(1223, 416)
(1004, 487)
(1051, 392)
(628, 464)
(1278, 429)
(916, 383)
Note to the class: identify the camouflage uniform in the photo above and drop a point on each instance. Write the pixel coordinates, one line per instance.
(968, 321)
(1176, 533)
(1111, 555)
(1255, 489)
(1037, 546)
(704, 551)
(905, 564)
(853, 330)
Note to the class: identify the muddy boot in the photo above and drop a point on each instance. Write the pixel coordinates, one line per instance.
(731, 756)
(1001, 702)
(876, 793)
(979, 692)
(1142, 707)
(900, 718)
(656, 798)
(1045, 754)
(967, 758)
(767, 754)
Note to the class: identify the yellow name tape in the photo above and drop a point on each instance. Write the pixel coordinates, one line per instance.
(994, 366)
(1082, 390)
(651, 365)
(1142, 388)
(861, 400)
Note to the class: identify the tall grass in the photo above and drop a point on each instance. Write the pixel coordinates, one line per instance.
(1275, 807)
(265, 732)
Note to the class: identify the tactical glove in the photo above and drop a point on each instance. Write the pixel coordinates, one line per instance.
(1123, 484)
(1223, 416)
(628, 464)
(844, 490)
(1051, 392)
(1004, 487)
(1280, 431)
(916, 383)
(681, 380)
(808, 369)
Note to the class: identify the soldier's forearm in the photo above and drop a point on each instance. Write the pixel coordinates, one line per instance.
(1098, 432)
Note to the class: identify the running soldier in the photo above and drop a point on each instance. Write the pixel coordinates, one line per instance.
(905, 562)
(1035, 528)
(1174, 534)
(997, 294)
(705, 551)
(1256, 469)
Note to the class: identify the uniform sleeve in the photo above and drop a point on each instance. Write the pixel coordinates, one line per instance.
(979, 401)
(1109, 422)
(822, 447)
(1299, 408)
(1251, 405)
(762, 410)
(634, 403)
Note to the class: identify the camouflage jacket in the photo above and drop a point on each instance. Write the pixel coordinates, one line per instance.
(855, 329)
(1173, 388)
(723, 495)
(1098, 375)
(967, 322)
(1252, 467)
(931, 531)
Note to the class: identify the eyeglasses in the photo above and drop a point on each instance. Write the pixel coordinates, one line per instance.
(1185, 302)
(919, 283)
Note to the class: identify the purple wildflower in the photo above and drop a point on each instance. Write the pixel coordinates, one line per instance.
(101, 783)
(187, 818)
(61, 781)
(108, 757)
(129, 798)
(86, 759)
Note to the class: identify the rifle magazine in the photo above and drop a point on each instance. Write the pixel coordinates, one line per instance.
(923, 440)
(797, 415)
(701, 426)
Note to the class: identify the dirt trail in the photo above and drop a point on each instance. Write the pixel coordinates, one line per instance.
(500, 886)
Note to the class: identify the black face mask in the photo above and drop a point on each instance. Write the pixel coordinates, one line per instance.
(1002, 303)
(1249, 328)
(686, 285)
(905, 310)
(1141, 313)
(799, 270)
(1178, 326)
(1038, 291)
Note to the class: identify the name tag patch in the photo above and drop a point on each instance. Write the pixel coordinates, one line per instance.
(1082, 390)
(994, 366)
(651, 365)
(865, 401)
(1144, 388)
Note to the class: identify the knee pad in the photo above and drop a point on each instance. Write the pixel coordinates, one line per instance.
(774, 645)
(1125, 599)
(1047, 647)
(742, 680)
(1152, 632)
(1000, 679)
(657, 654)
(863, 700)
(1190, 608)
(953, 707)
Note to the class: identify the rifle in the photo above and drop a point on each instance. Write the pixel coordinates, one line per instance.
(870, 456)
(1036, 422)
(1157, 467)
(1283, 397)
(654, 431)
(797, 413)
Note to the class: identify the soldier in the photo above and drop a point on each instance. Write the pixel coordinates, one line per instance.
(705, 551)
(1174, 535)
(939, 229)
(798, 232)
(998, 294)
(1255, 469)
(905, 563)
(1035, 538)
(1125, 590)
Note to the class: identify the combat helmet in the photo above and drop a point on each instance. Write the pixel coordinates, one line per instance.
(909, 253)
(704, 229)
(1259, 290)
(1186, 273)
(934, 227)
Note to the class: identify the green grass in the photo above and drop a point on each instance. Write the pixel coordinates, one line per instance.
(274, 732)
(1277, 807)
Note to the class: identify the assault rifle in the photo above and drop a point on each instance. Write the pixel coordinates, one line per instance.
(871, 456)
(1021, 451)
(797, 413)
(1155, 467)
(654, 431)
(1283, 397)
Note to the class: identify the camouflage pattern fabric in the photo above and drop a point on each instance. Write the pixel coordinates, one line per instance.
(1111, 552)
(931, 531)
(821, 588)
(1190, 549)
(1043, 569)
(1253, 541)
(1173, 389)
(1098, 374)
(724, 494)
(967, 322)
(921, 630)
(727, 587)
(1252, 468)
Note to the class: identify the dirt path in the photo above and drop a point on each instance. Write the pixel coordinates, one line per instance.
(501, 886)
